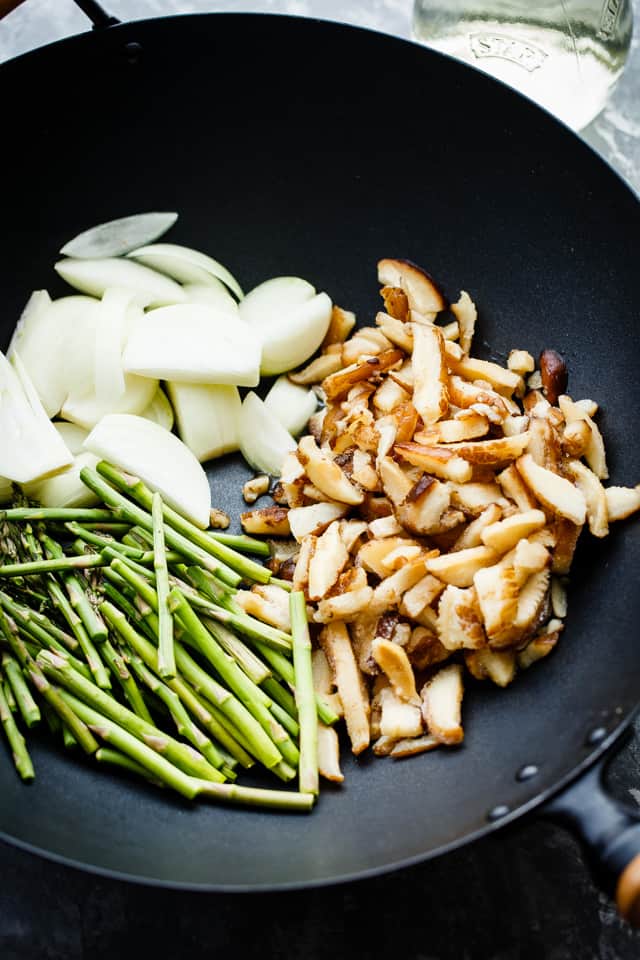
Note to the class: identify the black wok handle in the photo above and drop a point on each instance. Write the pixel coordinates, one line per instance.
(98, 16)
(610, 831)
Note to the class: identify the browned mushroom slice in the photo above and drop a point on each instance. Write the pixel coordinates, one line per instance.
(559, 603)
(270, 521)
(398, 719)
(553, 491)
(362, 470)
(413, 746)
(336, 644)
(351, 532)
(471, 536)
(464, 394)
(338, 384)
(440, 461)
(461, 567)
(326, 474)
(503, 381)
(533, 601)
(594, 453)
(514, 487)
(497, 589)
(371, 554)
(576, 438)
(496, 665)
(493, 451)
(359, 347)
(422, 292)
(467, 425)
(594, 495)
(394, 662)
(567, 534)
(389, 591)
(521, 362)
(318, 370)
(442, 703)
(396, 482)
(329, 754)
(340, 326)
(505, 534)
(314, 519)
(541, 645)
(324, 683)
(327, 562)
(385, 527)
(424, 648)
(622, 502)
(396, 331)
(389, 396)
(396, 303)
(459, 622)
(421, 595)
(473, 498)
(544, 444)
(466, 314)
(430, 394)
(301, 571)
(344, 606)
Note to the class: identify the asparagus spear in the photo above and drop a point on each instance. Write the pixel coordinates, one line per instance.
(188, 786)
(26, 704)
(179, 753)
(76, 590)
(62, 602)
(8, 693)
(45, 623)
(166, 655)
(89, 514)
(129, 686)
(114, 758)
(125, 509)
(21, 758)
(305, 694)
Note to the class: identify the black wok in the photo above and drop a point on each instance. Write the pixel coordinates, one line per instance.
(301, 147)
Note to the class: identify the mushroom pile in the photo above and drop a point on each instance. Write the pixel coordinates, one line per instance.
(432, 513)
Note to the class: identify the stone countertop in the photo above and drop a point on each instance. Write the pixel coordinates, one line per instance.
(525, 894)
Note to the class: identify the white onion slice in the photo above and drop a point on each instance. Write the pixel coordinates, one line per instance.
(111, 328)
(159, 410)
(152, 289)
(185, 264)
(73, 435)
(207, 417)
(86, 410)
(291, 404)
(66, 489)
(30, 447)
(39, 337)
(215, 295)
(264, 442)
(193, 343)
(159, 458)
(117, 237)
(290, 319)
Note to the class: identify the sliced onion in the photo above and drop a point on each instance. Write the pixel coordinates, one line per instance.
(117, 237)
(185, 265)
(73, 436)
(193, 343)
(66, 489)
(39, 337)
(290, 319)
(109, 384)
(159, 458)
(207, 417)
(291, 404)
(214, 294)
(264, 442)
(159, 410)
(30, 447)
(152, 289)
(86, 410)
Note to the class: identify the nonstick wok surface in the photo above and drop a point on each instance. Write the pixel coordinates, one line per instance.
(300, 147)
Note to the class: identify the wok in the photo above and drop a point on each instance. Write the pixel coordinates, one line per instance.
(302, 147)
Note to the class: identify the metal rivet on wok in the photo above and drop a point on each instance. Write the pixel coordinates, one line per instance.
(133, 49)
(526, 772)
(499, 811)
(596, 735)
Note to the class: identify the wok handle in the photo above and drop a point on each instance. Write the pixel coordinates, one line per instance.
(610, 831)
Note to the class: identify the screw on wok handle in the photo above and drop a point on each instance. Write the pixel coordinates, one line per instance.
(610, 831)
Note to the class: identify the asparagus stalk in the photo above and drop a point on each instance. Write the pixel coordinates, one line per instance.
(184, 756)
(68, 738)
(113, 529)
(283, 706)
(254, 699)
(284, 669)
(101, 540)
(138, 491)
(21, 758)
(32, 567)
(305, 694)
(247, 660)
(284, 584)
(8, 693)
(36, 624)
(89, 514)
(26, 704)
(76, 591)
(188, 786)
(166, 655)
(96, 666)
(124, 509)
(148, 654)
(241, 542)
(129, 686)
(114, 758)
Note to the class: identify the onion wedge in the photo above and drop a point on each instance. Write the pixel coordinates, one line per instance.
(152, 289)
(207, 417)
(264, 442)
(159, 458)
(66, 489)
(193, 343)
(159, 410)
(117, 237)
(291, 405)
(31, 448)
(214, 294)
(185, 265)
